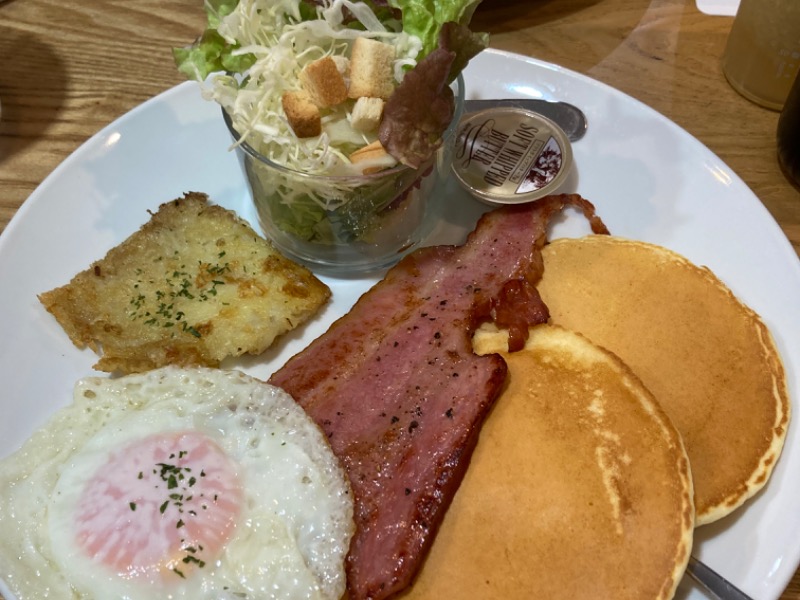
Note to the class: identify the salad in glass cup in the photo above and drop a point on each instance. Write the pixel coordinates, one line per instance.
(343, 115)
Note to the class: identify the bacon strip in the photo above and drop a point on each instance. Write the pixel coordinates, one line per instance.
(399, 392)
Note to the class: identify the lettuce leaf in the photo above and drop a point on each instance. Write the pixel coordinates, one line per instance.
(216, 10)
(422, 106)
(388, 15)
(425, 18)
(417, 114)
(419, 111)
(466, 44)
(210, 52)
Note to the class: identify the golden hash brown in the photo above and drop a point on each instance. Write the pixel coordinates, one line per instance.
(193, 286)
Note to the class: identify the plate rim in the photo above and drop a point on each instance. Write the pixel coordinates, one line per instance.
(11, 230)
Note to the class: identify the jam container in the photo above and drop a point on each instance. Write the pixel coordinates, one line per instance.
(510, 155)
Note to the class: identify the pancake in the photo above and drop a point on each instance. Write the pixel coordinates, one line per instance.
(708, 359)
(579, 487)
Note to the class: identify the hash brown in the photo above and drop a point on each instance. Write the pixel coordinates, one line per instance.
(194, 285)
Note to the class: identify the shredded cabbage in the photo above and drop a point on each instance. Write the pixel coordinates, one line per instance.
(282, 44)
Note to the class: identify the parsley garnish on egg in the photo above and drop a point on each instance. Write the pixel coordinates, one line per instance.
(178, 478)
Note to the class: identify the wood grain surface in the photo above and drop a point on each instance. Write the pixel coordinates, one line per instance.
(67, 69)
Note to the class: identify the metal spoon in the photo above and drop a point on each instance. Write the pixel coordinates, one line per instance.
(569, 117)
(714, 583)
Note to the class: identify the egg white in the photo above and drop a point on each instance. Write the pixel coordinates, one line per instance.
(290, 539)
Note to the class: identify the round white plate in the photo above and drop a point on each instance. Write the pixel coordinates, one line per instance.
(648, 178)
(725, 8)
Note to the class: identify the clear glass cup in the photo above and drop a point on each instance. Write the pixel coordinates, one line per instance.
(762, 54)
(343, 225)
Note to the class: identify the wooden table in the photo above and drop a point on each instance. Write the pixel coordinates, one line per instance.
(69, 69)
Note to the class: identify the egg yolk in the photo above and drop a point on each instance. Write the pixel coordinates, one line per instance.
(162, 506)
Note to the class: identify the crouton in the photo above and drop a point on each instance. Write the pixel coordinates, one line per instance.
(371, 69)
(342, 65)
(373, 158)
(323, 82)
(366, 115)
(303, 114)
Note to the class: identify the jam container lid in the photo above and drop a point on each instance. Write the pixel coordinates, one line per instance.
(510, 155)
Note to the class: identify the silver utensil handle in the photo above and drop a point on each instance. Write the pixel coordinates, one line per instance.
(714, 583)
(567, 116)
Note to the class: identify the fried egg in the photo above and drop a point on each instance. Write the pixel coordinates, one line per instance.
(176, 483)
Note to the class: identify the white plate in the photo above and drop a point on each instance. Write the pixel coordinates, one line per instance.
(648, 178)
(725, 8)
